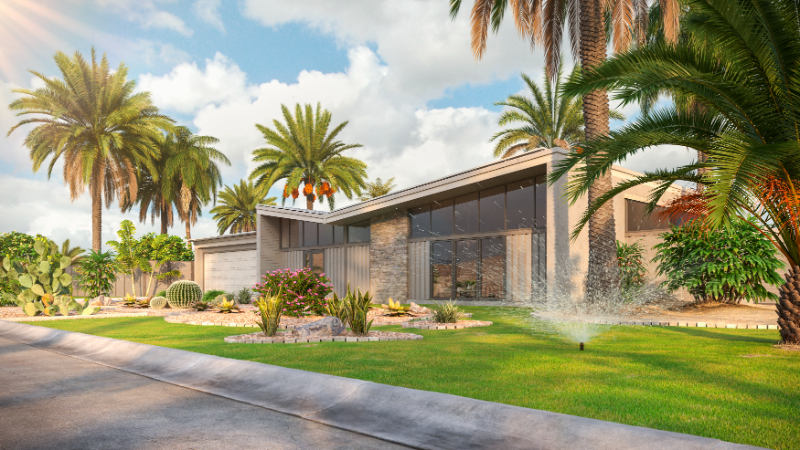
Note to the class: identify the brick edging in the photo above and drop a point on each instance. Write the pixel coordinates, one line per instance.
(92, 316)
(282, 340)
(738, 326)
(454, 326)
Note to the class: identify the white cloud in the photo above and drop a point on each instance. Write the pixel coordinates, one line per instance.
(208, 11)
(148, 14)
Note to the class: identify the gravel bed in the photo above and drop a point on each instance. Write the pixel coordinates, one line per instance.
(430, 325)
(286, 337)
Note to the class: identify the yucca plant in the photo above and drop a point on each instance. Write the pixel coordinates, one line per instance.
(335, 308)
(270, 307)
(446, 312)
(356, 307)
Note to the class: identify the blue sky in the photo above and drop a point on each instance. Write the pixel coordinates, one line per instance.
(400, 71)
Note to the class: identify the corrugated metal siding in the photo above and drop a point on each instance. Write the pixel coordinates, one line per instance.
(518, 268)
(292, 260)
(539, 265)
(336, 269)
(419, 270)
(358, 267)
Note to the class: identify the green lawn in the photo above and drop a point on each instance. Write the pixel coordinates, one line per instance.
(690, 380)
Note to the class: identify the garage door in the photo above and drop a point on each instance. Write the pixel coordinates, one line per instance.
(229, 271)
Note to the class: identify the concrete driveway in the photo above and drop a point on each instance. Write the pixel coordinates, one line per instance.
(52, 401)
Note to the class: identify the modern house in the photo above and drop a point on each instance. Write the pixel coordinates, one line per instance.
(497, 232)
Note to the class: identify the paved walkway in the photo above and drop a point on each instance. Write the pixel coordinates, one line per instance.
(52, 401)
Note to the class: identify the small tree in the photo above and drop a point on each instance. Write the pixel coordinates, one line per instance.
(97, 273)
(727, 265)
(129, 258)
(160, 249)
(630, 259)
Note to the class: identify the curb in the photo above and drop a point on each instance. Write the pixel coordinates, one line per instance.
(419, 419)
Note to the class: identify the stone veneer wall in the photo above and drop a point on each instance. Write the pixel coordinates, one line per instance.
(388, 257)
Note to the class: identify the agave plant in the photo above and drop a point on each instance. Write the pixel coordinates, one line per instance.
(226, 306)
(395, 309)
(446, 312)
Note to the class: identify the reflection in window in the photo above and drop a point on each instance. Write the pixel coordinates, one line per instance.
(338, 235)
(442, 265)
(358, 232)
(466, 214)
(519, 204)
(638, 220)
(493, 209)
(493, 253)
(314, 260)
(467, 269)
(421, 222)
(309, 234)
(442, 218)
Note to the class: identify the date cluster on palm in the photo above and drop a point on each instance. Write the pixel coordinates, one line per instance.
(789, 307)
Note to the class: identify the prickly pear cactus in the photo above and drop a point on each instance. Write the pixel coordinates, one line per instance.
(37, 282)
(158, 302)
(182, 294)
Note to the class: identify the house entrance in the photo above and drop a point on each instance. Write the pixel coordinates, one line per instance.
(468, 269)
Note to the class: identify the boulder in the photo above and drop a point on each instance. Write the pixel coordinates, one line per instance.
(327, 326)
(100, 301)
(419, 309)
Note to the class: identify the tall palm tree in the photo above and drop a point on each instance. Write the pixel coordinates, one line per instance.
(237, 209)
(95, 123)
(303, 151)
(542, 23)
(742, 62)
(550, 119)
(376, 189)
(185, 177)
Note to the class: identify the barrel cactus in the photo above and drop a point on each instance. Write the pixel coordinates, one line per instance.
(158, 302)
(182, 294)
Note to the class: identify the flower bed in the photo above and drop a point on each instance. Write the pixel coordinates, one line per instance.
(286, 337)
(304, 290)
(430, 325)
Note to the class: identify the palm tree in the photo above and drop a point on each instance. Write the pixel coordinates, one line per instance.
(376, 189)
(747, 127)
(542, 22)
(303, 151)
(237, 208)
(96, 124)
(550, 119)
(185, 177)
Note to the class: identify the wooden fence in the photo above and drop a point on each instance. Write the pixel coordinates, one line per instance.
(123, 284)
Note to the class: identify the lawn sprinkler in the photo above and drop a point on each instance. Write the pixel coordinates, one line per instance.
(581, 346)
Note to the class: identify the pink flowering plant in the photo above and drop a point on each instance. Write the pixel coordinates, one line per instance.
(304, 291)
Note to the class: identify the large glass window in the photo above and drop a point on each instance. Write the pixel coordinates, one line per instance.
(442, 265)
(493, 253)
(338, 235)
(325, 235)
(442, 218)
(541, 202)
(421, 222)
(285, 226)
(309, 234)
(358, 232)
(493, 210)
(314, 260)
(638, 220)
(466, 214)
(295, 239)
(467, 268)
(519, 205)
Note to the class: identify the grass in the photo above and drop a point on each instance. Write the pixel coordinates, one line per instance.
(699, 381)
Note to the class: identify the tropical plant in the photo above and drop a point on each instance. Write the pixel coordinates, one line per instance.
(727, 265)
(377, 188)
(174, 248)
(447, 312)
(335, 307)
(157, 249)
(632, 270)
(75, 253)
(395, 309)
(211, 295)
(549, 118)
(740, 61)
(97, 273)
(237, 209)
(244, 296)
(185, 176)
(305, 291)
(129, 257)
(94, 122)
(356, 307)
(16, 246)
(183, 294)
(591, 23)
(227, 306)
(270, 308)
(303, 151)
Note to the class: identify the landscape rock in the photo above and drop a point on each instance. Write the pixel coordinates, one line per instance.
(100, 301)
(419, 309)
(327, 326)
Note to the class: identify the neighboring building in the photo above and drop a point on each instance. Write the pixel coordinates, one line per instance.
(492, 233)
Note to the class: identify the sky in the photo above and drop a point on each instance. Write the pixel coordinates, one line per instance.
(401, 72)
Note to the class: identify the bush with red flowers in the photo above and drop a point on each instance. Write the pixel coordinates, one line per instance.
(304, 290)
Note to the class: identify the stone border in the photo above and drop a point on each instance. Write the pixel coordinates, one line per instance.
(410, 417)
(449, 326)
(93, 316)
(300, 340)
(737, 326)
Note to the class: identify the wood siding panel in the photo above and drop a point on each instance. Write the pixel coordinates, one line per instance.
(419, 270)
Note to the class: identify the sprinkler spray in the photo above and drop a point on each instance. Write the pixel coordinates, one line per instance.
(581, 346)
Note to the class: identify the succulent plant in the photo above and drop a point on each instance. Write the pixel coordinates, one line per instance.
(446, 312)
(41, 284)
(158, 302)
(183, 294)
(227, 306)
(396, 309)
(270, 307)
(201, 305)
(356, 307)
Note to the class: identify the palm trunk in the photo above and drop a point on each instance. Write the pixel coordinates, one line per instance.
(309, 202)
(603, 273)
(188, 231)
(164, 219)
(789, 308)
(96, 188)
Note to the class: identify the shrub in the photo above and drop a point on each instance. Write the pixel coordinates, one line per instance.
(446, 312)
(182, 294)
(158, 302)
(172, 248)
(97, 273)
(356, 307)
(270, 307)
(244, 296)
(336, 309)
(303, 290)
(726, 265)
(630, 259)
(210, 296)
(162, 293)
